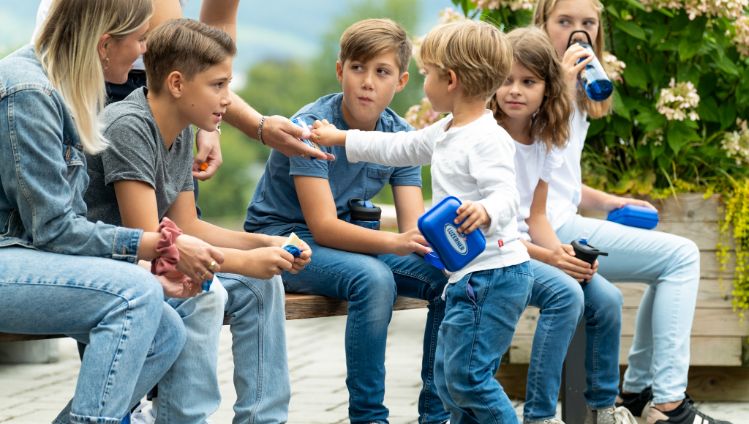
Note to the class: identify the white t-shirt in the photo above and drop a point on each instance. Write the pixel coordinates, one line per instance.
(565, 188)
(473, 163)
(533, 162)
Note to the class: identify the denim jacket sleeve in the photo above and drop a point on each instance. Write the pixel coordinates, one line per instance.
(44, 177)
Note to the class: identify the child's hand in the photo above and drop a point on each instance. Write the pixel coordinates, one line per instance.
(208, 158)
(616, 202)
(266, 262)
(572, 69)
(472, 215)
(282, 135)
(563, 257)
(176, 285)
(304, 257)
(198, 260)
(326, 134)
(410, 242)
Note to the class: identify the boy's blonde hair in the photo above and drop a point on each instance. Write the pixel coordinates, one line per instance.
(67, 50)
(187, 46)
(532, 48)
(368, 38)
(477, 52)
(541, 17)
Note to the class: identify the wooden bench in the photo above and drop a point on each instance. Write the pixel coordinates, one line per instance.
(298, 306)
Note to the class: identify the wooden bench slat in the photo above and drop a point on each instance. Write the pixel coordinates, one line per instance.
(298, 306)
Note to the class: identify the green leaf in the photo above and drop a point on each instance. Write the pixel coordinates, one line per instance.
(688, 48)
(635, 75)
(727, 115)
(725, 64)
(679, 135)
(619, 106)
(631, 29)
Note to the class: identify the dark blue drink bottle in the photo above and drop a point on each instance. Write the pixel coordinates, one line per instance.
(593, 78)
(364, 213)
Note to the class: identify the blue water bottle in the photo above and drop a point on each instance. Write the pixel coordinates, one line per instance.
(593, 78)
(364, 213)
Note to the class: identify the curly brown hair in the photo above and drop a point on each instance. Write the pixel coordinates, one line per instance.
(532, 49)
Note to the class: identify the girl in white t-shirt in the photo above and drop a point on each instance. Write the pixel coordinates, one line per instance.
(658, 362)
(533, 105)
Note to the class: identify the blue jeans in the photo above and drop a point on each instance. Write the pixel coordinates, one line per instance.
(116, 308)
(258, 326)
(371, 284)
(481, 312)
(670, 264)
(562, 302)
(189, 392)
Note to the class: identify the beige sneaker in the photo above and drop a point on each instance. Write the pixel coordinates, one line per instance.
(612, 415)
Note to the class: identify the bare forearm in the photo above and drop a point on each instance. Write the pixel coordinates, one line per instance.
(537, 252)
(243, 116)
(594, 199)
(222, 237)
(542, 233)
(338, 234)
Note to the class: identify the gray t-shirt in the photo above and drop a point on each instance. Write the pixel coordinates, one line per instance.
(136, 153)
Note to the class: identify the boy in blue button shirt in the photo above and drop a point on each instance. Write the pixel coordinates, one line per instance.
(366, 267)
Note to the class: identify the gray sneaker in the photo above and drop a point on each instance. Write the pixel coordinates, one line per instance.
(546, 421)
(612, 415)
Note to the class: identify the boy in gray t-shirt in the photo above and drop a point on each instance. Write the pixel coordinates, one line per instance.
(145, 175)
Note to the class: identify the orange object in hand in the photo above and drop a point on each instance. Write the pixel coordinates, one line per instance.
(203, 166)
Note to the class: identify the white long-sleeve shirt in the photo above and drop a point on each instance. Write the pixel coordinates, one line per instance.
(474, 162)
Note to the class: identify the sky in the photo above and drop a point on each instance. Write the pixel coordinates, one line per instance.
(278, 29)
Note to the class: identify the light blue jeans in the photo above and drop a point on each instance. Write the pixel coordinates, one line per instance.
(189, 392)
(670, 264)
(371, 284)
(116, 308)
(481, 313)
(258, 326)
(562, 301)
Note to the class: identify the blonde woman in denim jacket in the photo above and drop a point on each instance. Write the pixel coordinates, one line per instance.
(59, 273)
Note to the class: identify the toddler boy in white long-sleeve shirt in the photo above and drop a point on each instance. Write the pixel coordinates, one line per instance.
(472, 158)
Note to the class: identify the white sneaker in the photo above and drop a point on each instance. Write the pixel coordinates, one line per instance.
(145, 414)
(612, 415)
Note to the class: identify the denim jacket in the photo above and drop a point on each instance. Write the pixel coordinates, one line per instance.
(43, 171)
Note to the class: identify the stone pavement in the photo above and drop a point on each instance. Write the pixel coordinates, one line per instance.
(32, 394)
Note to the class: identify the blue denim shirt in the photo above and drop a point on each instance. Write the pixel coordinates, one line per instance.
(43, 171)
(275, 207)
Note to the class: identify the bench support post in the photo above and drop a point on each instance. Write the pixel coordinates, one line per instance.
(573, 379)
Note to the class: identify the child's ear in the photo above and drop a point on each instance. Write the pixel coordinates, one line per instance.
(402, 81)
(339, 70)
(175, 83)
(452, 80)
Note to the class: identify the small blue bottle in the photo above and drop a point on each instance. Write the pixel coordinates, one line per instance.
(364, 213)
(598, 87)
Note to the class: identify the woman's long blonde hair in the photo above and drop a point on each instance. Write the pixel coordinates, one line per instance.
(540, 18)
(67, 49)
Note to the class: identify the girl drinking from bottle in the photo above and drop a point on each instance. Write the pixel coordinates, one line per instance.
(534, 106)
(659, 357)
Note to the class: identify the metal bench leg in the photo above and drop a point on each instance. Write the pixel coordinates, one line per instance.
(573, 379)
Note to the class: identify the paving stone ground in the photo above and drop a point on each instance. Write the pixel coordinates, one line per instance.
(33, 394)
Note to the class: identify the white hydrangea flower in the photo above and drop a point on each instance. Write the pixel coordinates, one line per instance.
(679, 101)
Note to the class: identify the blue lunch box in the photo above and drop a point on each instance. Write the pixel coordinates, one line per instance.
(455, 250)
(635, 216)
